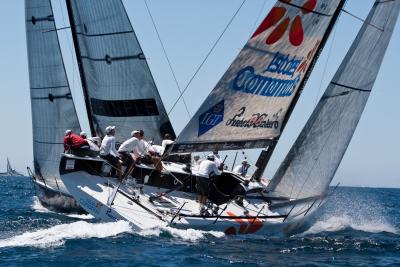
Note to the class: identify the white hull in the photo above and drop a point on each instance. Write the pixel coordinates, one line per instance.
(93, 192)
(55, 199)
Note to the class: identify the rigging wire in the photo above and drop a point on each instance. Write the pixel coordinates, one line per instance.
(361, 19)
(167, 58)
(208, 54)
(253, 28)
(326, 66)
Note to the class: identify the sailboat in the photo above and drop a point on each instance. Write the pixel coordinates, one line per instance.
(10, 171)
(248, 108)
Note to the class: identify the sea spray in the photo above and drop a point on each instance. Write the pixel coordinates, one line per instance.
(349, 209)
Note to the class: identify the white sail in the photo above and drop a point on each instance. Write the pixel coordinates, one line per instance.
(249, 104)
(53, 109)
(116, 79)
(315, 156)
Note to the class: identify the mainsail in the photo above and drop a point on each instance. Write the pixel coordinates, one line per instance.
(315, 156)
(53, 110)
(117, 82)
(253, 99)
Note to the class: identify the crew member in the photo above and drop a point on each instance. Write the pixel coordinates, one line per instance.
(108, 151)
(242, 168)
(218, 160)
(75, 144)
(196, 162)
(207, 169)
(167, 140)
(147, 153)
(125, 150)
(93, 145)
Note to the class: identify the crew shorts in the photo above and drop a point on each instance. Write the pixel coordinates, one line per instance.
(203, 186)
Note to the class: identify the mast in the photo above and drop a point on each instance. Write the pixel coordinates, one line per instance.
(266, 153)
(80, 66)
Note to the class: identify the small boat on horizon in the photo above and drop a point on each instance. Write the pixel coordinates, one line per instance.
(10, 171)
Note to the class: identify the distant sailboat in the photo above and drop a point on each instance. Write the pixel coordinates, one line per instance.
(10, 171)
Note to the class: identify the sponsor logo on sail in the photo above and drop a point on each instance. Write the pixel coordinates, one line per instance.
(276, 18)
(211, 118)
(256, 120)
(250, 82)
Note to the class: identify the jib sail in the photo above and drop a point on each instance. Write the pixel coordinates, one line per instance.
(315, 156)
(53, 110)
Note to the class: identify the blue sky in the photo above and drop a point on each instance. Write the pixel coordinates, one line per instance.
(188, 30)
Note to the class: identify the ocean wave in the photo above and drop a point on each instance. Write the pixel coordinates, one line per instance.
(191, 235)
(340, 223)
(57, 235)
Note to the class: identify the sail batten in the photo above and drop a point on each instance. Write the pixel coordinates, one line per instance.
(53, 110)
(251, 103)
(315, 156)
(118, 86)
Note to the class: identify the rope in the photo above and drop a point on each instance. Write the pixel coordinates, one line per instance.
(205, 59)
(167, 58)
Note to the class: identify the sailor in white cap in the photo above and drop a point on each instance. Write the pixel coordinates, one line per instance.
(207, 169)
(108, 151)
(242, 168)
(126, 148)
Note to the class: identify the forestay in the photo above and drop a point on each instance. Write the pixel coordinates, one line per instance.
(116, 79)
(312, 161)
(53, 109)
(247, 107)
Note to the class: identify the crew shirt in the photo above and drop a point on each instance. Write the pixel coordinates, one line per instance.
(108, 146)
(166, 142)
(74, 141)
(206, 168)
(129, 145)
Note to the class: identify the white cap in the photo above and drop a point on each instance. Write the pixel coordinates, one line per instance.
(83, 134)
(211, 157)
(109, 129)
(67, 132)
(134, 132)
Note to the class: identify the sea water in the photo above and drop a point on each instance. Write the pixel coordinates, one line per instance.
(356, 227)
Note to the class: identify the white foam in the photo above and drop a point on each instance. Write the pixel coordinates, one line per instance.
(80, 216)
(338, 223)
(56, 235)
(38, 207)
(190, 235)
